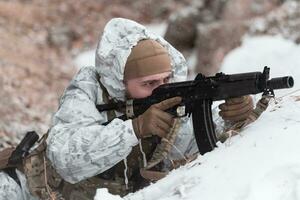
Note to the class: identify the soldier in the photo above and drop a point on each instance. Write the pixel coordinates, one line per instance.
(82, 154)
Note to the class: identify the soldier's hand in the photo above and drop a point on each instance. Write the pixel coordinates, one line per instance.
(155, 121)
(236, 109)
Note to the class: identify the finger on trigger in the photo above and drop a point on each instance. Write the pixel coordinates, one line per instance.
(168, 103)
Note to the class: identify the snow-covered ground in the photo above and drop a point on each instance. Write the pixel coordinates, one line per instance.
(281, 55)
(263, 162)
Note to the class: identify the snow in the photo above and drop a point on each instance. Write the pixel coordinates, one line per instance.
(86, 58)
(280, 54)
(103, 194)
(263, 161)
(260, 163)
(158, 28)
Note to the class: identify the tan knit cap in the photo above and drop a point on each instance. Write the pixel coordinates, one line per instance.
(148, 57)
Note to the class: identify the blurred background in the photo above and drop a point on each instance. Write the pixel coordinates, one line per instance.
(42, 43)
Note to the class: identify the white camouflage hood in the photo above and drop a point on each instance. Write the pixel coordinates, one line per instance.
(118, 38)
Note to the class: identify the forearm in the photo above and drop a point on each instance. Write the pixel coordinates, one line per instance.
(79, 153)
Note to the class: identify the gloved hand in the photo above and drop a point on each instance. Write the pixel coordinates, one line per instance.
(236, 109)
(155, 120)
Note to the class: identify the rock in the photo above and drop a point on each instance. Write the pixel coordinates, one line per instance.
(214, 41)
(182, 27)
(284, 21)
(247, 9)
(181, 30)
(61, 36)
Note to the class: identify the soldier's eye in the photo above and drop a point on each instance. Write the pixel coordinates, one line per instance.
(149, 83)
(167, 79)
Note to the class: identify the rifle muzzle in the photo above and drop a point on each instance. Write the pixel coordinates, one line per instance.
(280, 82)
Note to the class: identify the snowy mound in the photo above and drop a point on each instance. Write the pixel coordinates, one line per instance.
(281, 55)
(263, 162)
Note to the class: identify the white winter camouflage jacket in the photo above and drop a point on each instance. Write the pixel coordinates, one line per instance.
(80, 147)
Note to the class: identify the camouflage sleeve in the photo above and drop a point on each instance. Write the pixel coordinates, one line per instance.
(9, 189)
(80, 147)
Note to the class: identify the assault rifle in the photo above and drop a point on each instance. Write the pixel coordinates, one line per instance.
(197, 97)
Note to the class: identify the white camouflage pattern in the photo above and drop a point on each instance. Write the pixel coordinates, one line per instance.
(10, 190)
(80, 147)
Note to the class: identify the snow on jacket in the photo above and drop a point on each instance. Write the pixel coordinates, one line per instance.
(79, 147)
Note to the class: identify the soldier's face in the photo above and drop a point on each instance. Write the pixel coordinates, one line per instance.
(142, 87)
